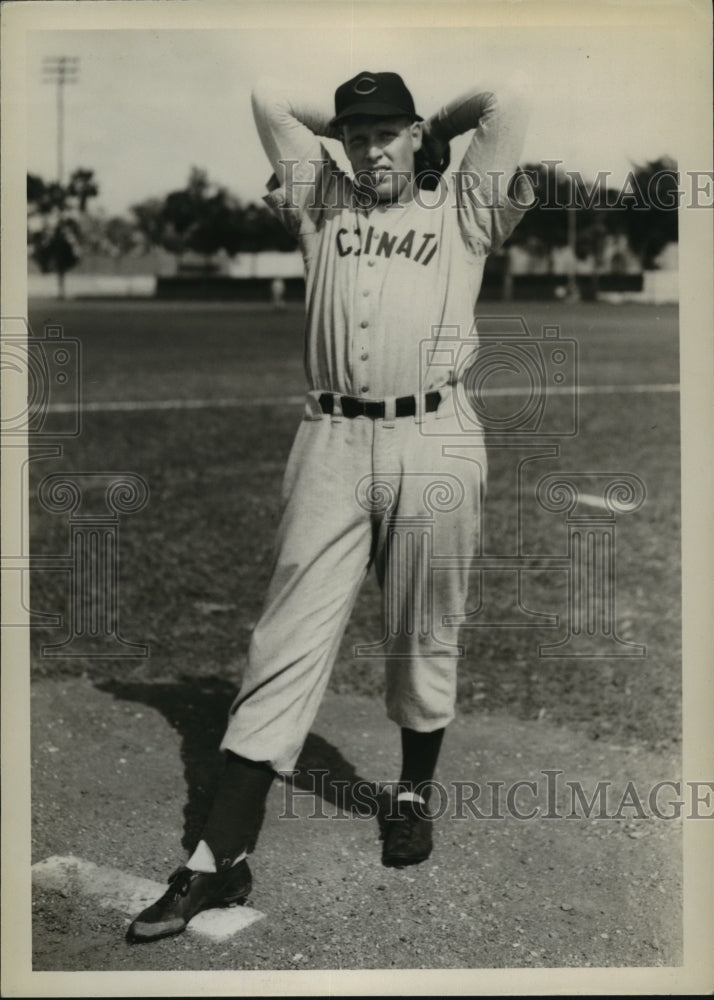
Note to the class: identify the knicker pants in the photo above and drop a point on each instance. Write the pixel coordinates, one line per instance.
(402, 494)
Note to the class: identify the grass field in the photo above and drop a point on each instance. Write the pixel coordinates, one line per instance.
(195, 562)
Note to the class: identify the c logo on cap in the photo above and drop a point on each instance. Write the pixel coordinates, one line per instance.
(365, 85)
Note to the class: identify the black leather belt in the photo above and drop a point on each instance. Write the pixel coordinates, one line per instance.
(405, 406)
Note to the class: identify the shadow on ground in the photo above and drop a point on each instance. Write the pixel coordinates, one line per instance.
(198, 710)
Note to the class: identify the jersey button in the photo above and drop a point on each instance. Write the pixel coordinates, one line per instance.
(365, 388)
(364, 323)
(363, 356)
(366, 292)
(370, 263)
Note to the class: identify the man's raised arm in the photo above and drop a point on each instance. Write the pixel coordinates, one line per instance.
(498, 116)
(289, 127)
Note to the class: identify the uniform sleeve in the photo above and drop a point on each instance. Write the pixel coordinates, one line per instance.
(491, 196)
(305, 174)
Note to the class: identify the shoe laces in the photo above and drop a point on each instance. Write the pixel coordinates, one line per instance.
(407, 820)
(180, 882)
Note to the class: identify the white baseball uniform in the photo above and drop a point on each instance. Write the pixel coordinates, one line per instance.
(401, 492)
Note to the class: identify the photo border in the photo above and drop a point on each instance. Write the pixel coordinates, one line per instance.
(690, 24)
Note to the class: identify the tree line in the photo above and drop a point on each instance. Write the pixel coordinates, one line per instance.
(206, 218)
(203, 218)
(643, 209)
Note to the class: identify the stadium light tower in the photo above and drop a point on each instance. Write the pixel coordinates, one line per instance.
(60, 70)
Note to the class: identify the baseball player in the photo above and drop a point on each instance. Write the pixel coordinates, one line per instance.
(380, 473)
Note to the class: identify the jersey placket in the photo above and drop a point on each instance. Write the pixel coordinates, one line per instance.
(367, 282)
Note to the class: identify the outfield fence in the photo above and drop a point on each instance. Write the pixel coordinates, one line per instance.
(648, 287)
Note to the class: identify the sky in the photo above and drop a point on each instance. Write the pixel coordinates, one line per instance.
(150, 104)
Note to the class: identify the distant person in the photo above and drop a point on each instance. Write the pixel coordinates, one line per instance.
(385, 266)
(277, 293)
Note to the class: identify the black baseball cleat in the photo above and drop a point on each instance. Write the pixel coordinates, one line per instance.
(407, 835)
(189, 893)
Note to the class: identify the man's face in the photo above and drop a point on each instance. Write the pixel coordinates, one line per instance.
(381, 152)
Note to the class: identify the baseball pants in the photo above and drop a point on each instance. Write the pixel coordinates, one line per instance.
(403, 494)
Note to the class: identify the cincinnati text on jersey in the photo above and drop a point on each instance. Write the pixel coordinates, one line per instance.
(417, 247)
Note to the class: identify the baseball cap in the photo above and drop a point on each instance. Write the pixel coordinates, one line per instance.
(374, 94)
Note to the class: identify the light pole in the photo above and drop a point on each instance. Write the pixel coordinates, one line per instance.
(60, 70)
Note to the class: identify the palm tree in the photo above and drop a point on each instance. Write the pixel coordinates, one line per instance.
(55, 214)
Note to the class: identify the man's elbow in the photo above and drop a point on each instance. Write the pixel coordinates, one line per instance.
(268, 97)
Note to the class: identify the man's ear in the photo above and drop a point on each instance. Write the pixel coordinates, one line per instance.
(415, 129)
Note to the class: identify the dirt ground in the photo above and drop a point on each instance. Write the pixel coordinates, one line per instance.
(122, 776)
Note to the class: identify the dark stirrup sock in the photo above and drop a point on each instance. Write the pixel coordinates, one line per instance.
(420, 752)
(238, 809)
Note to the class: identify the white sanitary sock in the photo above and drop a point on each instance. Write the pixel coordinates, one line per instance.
(202, 859)
(410, 797)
